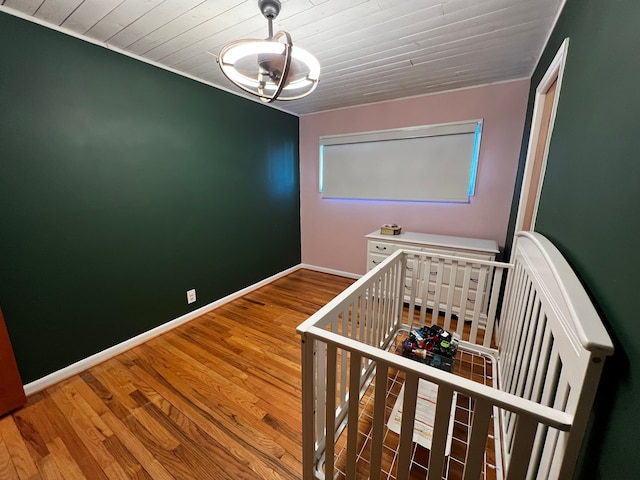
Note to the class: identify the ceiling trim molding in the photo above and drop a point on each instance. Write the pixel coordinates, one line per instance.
(430, 94)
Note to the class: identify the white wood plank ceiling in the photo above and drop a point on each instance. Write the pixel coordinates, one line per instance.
(369, 50)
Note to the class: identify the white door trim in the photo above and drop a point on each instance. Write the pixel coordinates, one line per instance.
(554, 72)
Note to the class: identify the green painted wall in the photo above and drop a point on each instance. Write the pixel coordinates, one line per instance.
(590, 206)
(121, 187)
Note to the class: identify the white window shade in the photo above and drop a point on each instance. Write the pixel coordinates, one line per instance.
(429, 163)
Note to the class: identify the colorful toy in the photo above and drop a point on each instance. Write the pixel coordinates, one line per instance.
(431, 345)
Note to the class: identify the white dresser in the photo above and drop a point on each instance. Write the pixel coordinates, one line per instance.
(381, 246)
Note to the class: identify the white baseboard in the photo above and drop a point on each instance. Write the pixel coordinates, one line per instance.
(95, 359)
(330, 270)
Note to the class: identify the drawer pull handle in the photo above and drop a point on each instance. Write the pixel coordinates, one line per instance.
(431, 292)
(471, 300)
(374, 262)
(474, 280)
(380, 248)
(407, 286)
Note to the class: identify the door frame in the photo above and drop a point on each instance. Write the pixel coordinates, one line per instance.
(553, 73)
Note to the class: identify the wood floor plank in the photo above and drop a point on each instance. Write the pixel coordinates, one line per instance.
(161, 436)
(15, 445)
(218, 397)
(7, 470)
(133, 444)
(209, 383)
(27, 422)
(79, 403)
(65, 463)
(200, 451)
(146, 448)
(251, 444)
(127, 461)
(69, 438)
(48, 468)
(90, 436)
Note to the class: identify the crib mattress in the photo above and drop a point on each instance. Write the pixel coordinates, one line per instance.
(469, 364)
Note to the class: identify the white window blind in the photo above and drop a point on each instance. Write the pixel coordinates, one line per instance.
(428, 163)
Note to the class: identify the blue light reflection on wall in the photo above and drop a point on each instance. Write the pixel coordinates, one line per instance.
(321, 166)
(474, 160)
(282, 172)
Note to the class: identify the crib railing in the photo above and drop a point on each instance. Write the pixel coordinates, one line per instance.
(344, 347)
(449, 286)
(318, 456)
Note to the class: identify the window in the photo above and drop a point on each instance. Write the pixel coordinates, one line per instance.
(435, 163)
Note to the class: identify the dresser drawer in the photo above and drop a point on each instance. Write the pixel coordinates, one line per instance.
(374, 259)
(382, 248)
(469, 303)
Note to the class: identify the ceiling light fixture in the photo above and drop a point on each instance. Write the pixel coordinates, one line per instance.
(272, 69)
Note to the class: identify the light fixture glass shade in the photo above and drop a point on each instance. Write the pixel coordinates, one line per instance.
(271, 69)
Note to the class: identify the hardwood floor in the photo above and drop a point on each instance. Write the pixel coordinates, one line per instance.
(217, 398)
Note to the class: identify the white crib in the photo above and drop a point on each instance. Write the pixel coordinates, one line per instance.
(531, 376)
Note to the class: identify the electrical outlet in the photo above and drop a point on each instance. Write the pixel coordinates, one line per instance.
(191, 295)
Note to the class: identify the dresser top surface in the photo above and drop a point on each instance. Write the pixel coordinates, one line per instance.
(438, 240)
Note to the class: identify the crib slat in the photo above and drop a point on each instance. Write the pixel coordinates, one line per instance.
(513, 345)
(383, 309)
(399, 289)
(528, 353)
(330, 406)
(478, 439)
(320, 365)
(463, 299)
(375, 312)
(515, 290)
(440, 430)
(382, 372)
(507, 345)
(522, 444)
(549, 457)
(524, 341)
(352, 318)
(380, 313)
(369, 315)
(413, 275)
(536, 356)
(406, 426)
(507, 304)
(362, 320)
(493, 306)
(352, 421)
(387, 305)
(479, 300)
(391, 305)
(425, 275)
(550, 376)
(435, 311)
(452, 290)
(343, 363)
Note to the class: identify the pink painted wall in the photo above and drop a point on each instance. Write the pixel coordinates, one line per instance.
(333, 230)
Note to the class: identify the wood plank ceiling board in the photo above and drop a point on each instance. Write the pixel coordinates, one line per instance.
(56, 11)
(369, 50)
